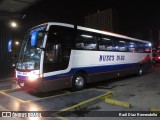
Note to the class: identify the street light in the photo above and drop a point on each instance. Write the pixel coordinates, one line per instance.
(16, 42)
(13, 24)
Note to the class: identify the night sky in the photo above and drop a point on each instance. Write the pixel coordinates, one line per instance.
(135, 14)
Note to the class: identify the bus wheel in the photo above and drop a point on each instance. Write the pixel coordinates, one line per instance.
(78, 81)
(21, 84)
(140, 70)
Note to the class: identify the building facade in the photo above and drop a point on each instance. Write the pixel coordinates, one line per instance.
(103, 20)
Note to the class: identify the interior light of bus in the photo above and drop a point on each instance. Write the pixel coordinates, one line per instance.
(131, 45)
(87, 36)
(159, 57)
(122, 41)
(106, 39)
(55, 33)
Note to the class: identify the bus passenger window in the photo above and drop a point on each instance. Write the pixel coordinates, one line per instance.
(86, 41)
(140, 47)
(147, 48)
(120, 45)
(106, 44)
(132, 47)
(80, 45)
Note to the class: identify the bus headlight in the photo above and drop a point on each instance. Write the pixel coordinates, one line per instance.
(33, 77)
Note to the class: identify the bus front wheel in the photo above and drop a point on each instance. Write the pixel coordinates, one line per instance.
(78, 81)
(21, 84)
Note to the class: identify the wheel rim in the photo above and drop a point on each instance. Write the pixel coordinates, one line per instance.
(140, 71)
(79, 82)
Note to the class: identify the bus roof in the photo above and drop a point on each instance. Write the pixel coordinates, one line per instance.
(92, 30)
(110, 33)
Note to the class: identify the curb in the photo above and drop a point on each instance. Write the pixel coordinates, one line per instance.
(83, 104)
(119, 103)
(155, 110)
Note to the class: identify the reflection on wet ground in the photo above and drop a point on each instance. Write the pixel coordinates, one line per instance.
(15, 99)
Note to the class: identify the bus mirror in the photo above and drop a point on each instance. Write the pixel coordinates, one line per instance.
(10, 46)
(34, 35)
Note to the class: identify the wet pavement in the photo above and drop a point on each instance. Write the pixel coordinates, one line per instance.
(142, 92)
(14, 99)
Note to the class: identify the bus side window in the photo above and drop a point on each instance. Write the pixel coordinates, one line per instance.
(106, 43)
(132, 46)
(120, 45)
(148, 48)
(141, 47)
(86, 41)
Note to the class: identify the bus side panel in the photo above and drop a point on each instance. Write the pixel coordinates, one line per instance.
(110, 75)
(99, 65)
(102, 63)
(56, 84)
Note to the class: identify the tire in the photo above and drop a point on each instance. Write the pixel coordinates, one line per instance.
(140, 71)
(78, 81)
(21, 84)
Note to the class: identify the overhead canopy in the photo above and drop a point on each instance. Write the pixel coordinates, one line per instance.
(14, 8)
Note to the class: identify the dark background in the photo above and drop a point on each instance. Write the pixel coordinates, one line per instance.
(136, 18)
(132, 14)
(139, 19)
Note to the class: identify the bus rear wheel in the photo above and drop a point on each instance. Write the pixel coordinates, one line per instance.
(140, 70)
(78, 81)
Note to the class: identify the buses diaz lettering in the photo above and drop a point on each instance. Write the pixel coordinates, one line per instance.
(111, 58)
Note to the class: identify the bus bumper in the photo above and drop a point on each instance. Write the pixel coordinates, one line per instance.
(31, 85)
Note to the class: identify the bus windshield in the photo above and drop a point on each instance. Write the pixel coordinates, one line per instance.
(29, 57)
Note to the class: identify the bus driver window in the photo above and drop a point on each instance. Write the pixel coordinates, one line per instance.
(50, 56)
(53, 53)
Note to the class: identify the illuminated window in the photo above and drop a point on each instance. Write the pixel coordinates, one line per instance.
(86, 41)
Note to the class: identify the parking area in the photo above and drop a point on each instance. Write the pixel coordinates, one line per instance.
(113, 98)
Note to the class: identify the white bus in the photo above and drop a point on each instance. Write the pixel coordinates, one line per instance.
(57, 55)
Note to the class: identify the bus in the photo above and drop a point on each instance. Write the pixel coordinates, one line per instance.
(56, 55)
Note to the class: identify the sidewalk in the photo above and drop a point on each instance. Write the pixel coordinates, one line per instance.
(7, 82)
(7, 79)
